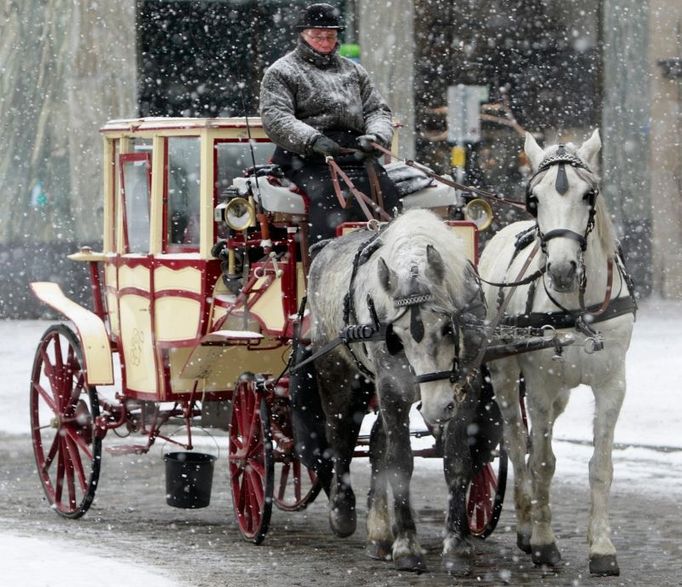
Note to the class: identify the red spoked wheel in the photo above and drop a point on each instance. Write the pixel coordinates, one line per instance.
(486, 495)
(64, 410)
(295, 485)
(251, 462)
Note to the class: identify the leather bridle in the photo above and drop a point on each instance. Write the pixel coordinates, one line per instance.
(561, 157)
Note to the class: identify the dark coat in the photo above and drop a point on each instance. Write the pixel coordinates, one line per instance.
(305, 94)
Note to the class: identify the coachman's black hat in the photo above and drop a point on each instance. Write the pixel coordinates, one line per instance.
(320, 16)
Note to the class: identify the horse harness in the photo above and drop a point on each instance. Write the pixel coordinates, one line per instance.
(378, 331)
(582, 318)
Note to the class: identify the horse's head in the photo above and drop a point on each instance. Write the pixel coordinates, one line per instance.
(425, 326)
(562, 195)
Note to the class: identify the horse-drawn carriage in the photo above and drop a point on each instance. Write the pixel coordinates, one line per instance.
(197, 298)
(181, 340)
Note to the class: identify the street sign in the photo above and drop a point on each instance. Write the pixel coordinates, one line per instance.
(464, 105)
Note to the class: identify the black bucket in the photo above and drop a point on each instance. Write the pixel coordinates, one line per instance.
(189, 476)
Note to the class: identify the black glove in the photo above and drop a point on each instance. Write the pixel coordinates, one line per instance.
(326, 147)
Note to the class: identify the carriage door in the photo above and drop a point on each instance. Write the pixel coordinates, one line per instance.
(134, 282)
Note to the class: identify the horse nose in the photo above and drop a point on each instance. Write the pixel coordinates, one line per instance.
(563, 275)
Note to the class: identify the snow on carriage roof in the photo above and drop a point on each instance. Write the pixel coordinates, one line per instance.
(171, 123)
(152, 123)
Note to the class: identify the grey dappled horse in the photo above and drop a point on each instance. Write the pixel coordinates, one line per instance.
(414, 278)
(584, 287)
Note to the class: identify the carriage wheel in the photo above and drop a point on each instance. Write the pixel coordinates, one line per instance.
(486, 495)
(295, 486)
(64, 410)
(250, 461)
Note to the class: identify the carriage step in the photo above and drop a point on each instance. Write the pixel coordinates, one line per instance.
(127, 449)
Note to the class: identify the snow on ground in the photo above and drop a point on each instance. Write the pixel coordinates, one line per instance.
(648, 455)
(30, 561)
(59, 566)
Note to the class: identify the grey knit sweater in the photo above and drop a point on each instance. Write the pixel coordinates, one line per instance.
(305, 93)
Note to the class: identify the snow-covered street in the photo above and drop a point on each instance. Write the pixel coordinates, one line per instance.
(648, 458)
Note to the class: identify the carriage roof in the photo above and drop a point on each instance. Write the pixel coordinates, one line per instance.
(177, 124)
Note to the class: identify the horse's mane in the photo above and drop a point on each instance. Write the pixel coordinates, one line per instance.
(603, 226)
(404, 246)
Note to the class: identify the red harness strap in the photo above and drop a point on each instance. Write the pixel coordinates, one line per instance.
(362, 199)
(609, 290)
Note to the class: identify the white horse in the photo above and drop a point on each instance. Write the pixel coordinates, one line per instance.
(414, 279)
(583, 282)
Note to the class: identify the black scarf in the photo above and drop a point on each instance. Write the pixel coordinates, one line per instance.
(321, 60)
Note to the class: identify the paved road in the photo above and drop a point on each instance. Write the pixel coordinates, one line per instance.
(203, 547)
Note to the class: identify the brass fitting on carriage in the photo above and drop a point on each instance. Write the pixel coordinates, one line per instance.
(231, 265)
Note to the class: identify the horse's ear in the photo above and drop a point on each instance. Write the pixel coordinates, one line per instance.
(589, 151)
(435, 267)
(387, 276)
(533, 151)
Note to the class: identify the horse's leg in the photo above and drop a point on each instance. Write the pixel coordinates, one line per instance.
(458, 552)
(344, 400)
(395, 410)
(505, 375)
(344, 430)
(308, 419)
(379, 533)
(542, 402)
(608, 401)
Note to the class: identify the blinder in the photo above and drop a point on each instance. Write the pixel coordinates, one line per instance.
(393, 343)
(412, 304)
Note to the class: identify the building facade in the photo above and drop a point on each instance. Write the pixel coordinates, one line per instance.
(558, 70)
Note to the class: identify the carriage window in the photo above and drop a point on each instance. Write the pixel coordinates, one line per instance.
(182, 183)
(136, 183)
(233, 158)
(141, 144)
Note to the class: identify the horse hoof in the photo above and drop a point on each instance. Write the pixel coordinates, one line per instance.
(546, 554)
(459, 566)
(414, 563)
(604, 565)
(523, 542)
(343, 522)
(380, 550)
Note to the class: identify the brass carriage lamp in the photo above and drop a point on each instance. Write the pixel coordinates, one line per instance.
(237, 213)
